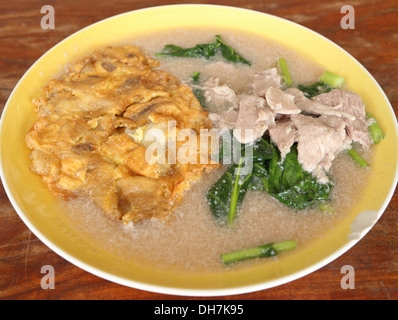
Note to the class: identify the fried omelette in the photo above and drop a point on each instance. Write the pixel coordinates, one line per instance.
(87, 140)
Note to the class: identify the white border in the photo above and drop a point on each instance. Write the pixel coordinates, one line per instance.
(183, 291)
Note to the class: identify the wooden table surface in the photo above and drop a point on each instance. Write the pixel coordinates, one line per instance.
(374, 42)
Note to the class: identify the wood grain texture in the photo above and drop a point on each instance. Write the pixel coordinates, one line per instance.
(374, 42)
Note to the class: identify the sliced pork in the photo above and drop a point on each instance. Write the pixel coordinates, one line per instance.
(254, 115)
(315, 107)
(219, 95)
(321, 126)
(264, 80)
(284, 134)
(224, 119)
(281, 102)
(351, 103)
(319, 141)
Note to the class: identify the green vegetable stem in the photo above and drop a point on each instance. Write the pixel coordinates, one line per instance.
(374, 129)
(267, 250)
(357, 158)
(332, 79)
(326, 83)
(226, 195)
(285, 72)
(235, 193)
(326, 207)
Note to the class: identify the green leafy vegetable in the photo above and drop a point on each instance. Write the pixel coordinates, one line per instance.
(258, 181)
(274, 172)
(262, 150)
(197, 92)
(229, 53)
(267, 250)
(292, 172)
(304, 194)
(226, 195)
(195, 77)
(291, 185)
(205, 51)
(314, 89)
(199, 51)
(285, 181)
